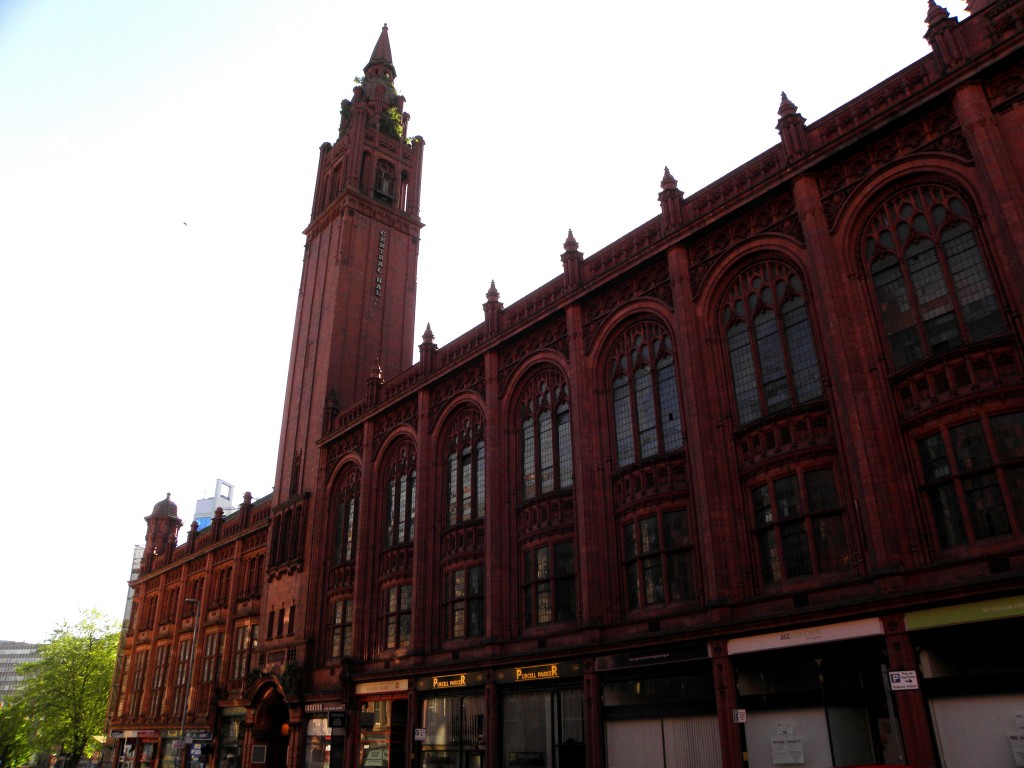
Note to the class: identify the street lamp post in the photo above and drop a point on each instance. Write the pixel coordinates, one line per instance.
(188, 680)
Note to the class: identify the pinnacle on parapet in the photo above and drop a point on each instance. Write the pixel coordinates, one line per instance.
(792, 129)
(787, 108)
(428, 335)
(492, 293)
(570, 244)
(936, 14)
(668, 181)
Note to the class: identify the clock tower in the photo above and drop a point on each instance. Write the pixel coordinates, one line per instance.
(357, 297)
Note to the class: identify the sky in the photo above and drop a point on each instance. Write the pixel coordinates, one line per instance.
(157, 163)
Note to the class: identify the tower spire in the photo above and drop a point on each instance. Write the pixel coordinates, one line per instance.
(357, 303)
(380, 62)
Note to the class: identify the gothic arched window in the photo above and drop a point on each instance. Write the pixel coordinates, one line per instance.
(400, 495)
(933, 290)
(645, 397)
(384, 184)
(771, 348)
(346, 514)
(546, 450)
(465, 464)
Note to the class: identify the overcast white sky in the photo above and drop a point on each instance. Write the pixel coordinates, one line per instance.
(157, 164)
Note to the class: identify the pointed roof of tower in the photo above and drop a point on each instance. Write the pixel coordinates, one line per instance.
(380, 60)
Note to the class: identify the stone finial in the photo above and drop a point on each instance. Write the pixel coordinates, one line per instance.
(792, 128)
(376, 373)
(936, 14)
(668, 181)
(671, 199)
(374, 383)
(570, 244)
(492, 310)
(427, 350)
(943, 35)
(571, 259)
(787, 108)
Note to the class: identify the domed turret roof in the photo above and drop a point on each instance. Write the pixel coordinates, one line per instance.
(165, 508)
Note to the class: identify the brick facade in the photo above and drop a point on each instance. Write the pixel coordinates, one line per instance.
(750, 479)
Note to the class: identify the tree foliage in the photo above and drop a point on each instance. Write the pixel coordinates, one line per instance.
(15, 733)
(65, 692)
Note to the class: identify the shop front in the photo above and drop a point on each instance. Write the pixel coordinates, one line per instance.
(326, 727)
(658, 708)
(382, 724)
(972, 677)
(232, 725)
(542, 715)
(816, 697)
(138, 749)
(453, 718)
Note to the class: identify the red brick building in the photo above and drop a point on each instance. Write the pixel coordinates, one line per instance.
(748, 479)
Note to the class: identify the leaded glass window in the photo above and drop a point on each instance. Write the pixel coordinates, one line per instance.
(645, 396)
(933, 290)
(771, 348)
(798, 525)
(346, 515)
(974, 478)
(466, 471)
(400, 495)
(546, 447)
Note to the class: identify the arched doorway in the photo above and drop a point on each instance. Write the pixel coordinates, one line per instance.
(270, 730)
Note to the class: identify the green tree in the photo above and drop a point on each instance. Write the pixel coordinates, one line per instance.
(15, 732)
(65, 692)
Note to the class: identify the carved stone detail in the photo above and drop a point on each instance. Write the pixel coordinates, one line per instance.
(1006, 90)
(470, 378)
(938, 132)
(778, 216)
(782, 438)
(639, 483)
(653, 282)
(403, 414)
(353, 441)
(553, 336)
(546, 515)
(462, 541)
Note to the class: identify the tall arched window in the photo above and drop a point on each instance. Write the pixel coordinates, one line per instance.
(933, 290)
(400, 495)
(771, 349)
(546, 450)
(345, 516)
(645, 398)
(384, 184)
(465, 476)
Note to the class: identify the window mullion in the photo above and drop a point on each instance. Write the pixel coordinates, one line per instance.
(755, 358)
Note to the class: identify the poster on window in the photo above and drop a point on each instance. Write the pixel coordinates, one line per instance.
(787, 751)
(1017, 747)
